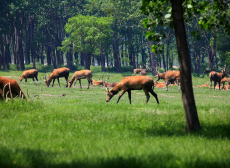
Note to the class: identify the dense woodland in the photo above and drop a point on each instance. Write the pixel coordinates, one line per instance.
(106, 33)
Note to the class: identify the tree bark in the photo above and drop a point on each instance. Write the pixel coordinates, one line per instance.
(116, 53)
(102, 59)
(152, 59)
(7, 52)
(192, 120)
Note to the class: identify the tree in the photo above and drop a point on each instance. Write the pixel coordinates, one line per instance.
(85, 35)
(162, 14)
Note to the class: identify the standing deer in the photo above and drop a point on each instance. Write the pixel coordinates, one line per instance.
(83, 74)
(160, 76)
(10, 86)
(133, 83)
(32, 73)
(172, 76)
(56, 74)
(216, 77)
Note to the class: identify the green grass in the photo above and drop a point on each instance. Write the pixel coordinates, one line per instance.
(81, 130)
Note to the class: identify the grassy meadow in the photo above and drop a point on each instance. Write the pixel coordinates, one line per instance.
(73, 127)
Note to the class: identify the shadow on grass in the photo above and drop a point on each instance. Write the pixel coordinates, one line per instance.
(207, 131)
(37, 158)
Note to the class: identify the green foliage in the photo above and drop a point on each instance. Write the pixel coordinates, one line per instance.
(92, 30)
(81, 130)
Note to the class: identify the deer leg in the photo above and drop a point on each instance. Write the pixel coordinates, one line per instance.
(66, 78)
(33, 79)
(154, 94)
(219, 85)
(166, 84)
(75, 82)
(88, 83)
(178, 86)
(58, 82)
(36, 78)
(214, 84)
(129, 94)
(147, 95)
(53, 82)
(25, 79)
(80, 83)
(123, 91)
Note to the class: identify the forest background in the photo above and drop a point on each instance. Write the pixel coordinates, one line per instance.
(108, 33)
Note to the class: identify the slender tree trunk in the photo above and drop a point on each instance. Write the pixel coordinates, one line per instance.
(7, 52)
(116, 53)
(102, 59)
(192, 120)
(82, 58)
(152, 59)
(163, 56)
(41, 54)
(2, 57)
(167, 57)
(48, 48)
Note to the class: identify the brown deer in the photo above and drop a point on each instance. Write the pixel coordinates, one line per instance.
(96, 83)
(56, 74)
(225, 80)
(32, 73)
(160, 76)
(10, 86)
(83, 74)
(172, 76)
(133, 83)
(143, 73)
(216, 77)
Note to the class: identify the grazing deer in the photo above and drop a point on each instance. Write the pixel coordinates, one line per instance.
(56, 74)
(216, 77)
(133, 83)
(32, 73)
(172, 76)
(83, 74)
(10, 86)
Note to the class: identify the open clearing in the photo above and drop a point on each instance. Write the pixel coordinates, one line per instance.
(73, 127)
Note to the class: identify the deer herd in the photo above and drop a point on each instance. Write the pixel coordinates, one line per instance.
(10, 87)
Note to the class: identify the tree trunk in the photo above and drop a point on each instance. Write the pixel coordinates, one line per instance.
(152, 59)
(116, 53)
(163, 57)
(192, 120)
(7, 52)
(82, 58)
(102, 59)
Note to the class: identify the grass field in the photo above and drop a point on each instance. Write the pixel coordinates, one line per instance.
(81, 130)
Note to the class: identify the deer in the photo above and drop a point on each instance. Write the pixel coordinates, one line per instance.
(32, 73)
(225, 80)
(217, 77)
(172, 76)
(143, 73)
(133, 83)
(10, 86)
(96, 83)
(56, 74)
(160, 76)
(83, 74)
